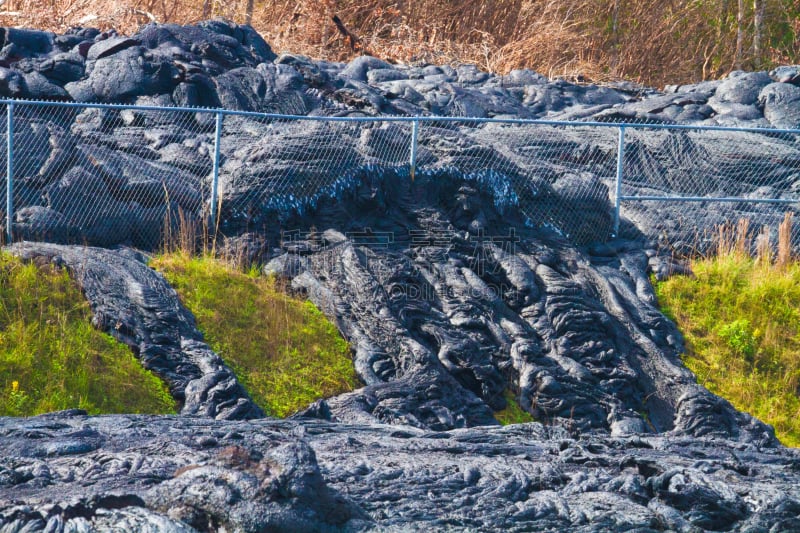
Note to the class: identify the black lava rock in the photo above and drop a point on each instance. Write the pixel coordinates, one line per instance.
(493, 272)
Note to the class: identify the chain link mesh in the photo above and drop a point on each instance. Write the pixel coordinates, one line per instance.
(105, 175)
(4, 183)
(563, 176)
(746, 168)
(272, 168)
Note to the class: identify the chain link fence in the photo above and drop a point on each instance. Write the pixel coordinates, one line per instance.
(108, 174)
(686, 182)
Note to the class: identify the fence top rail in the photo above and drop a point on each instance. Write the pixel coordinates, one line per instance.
(727, 199)
(423, 119)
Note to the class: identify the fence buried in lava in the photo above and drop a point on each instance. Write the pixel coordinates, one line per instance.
(105, 174)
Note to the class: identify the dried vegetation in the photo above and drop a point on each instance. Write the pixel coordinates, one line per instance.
(651, 41)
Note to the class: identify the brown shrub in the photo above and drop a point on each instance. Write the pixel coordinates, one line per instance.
(652, 41)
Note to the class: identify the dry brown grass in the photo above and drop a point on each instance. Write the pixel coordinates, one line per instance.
(785, 241)
(733, 239)
(652, 41)
(764, 248)
(736, 241)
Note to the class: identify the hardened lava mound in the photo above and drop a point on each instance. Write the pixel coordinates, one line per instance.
(455, 289)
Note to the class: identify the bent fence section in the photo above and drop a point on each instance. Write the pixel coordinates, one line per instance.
(106, 174)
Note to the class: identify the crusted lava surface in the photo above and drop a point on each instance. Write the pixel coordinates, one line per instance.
(448, 287)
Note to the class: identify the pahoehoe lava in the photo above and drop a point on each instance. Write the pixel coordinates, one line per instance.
(447, 294)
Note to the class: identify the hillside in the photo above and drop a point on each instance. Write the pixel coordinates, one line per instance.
(652, 42)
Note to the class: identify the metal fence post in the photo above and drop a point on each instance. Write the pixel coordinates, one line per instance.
(618, 188)
(414, 141)
(9, 172)
(215, 179)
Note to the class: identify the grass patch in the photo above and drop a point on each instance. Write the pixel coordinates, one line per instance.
(283, 350)
(513, 413)
(51, 358)
(741, 321)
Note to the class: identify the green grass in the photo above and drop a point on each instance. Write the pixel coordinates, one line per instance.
(741, 321)
(283, 350)
(513, 413)
(51, 358)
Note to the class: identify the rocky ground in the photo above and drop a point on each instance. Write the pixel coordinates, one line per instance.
(70, 472)
(492, 269)
(143, 166)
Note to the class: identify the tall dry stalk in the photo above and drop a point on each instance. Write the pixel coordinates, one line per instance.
(764, 248)
(181, 238)
(733, 240)
(726, 237)
(742, 246)
(785, 241)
